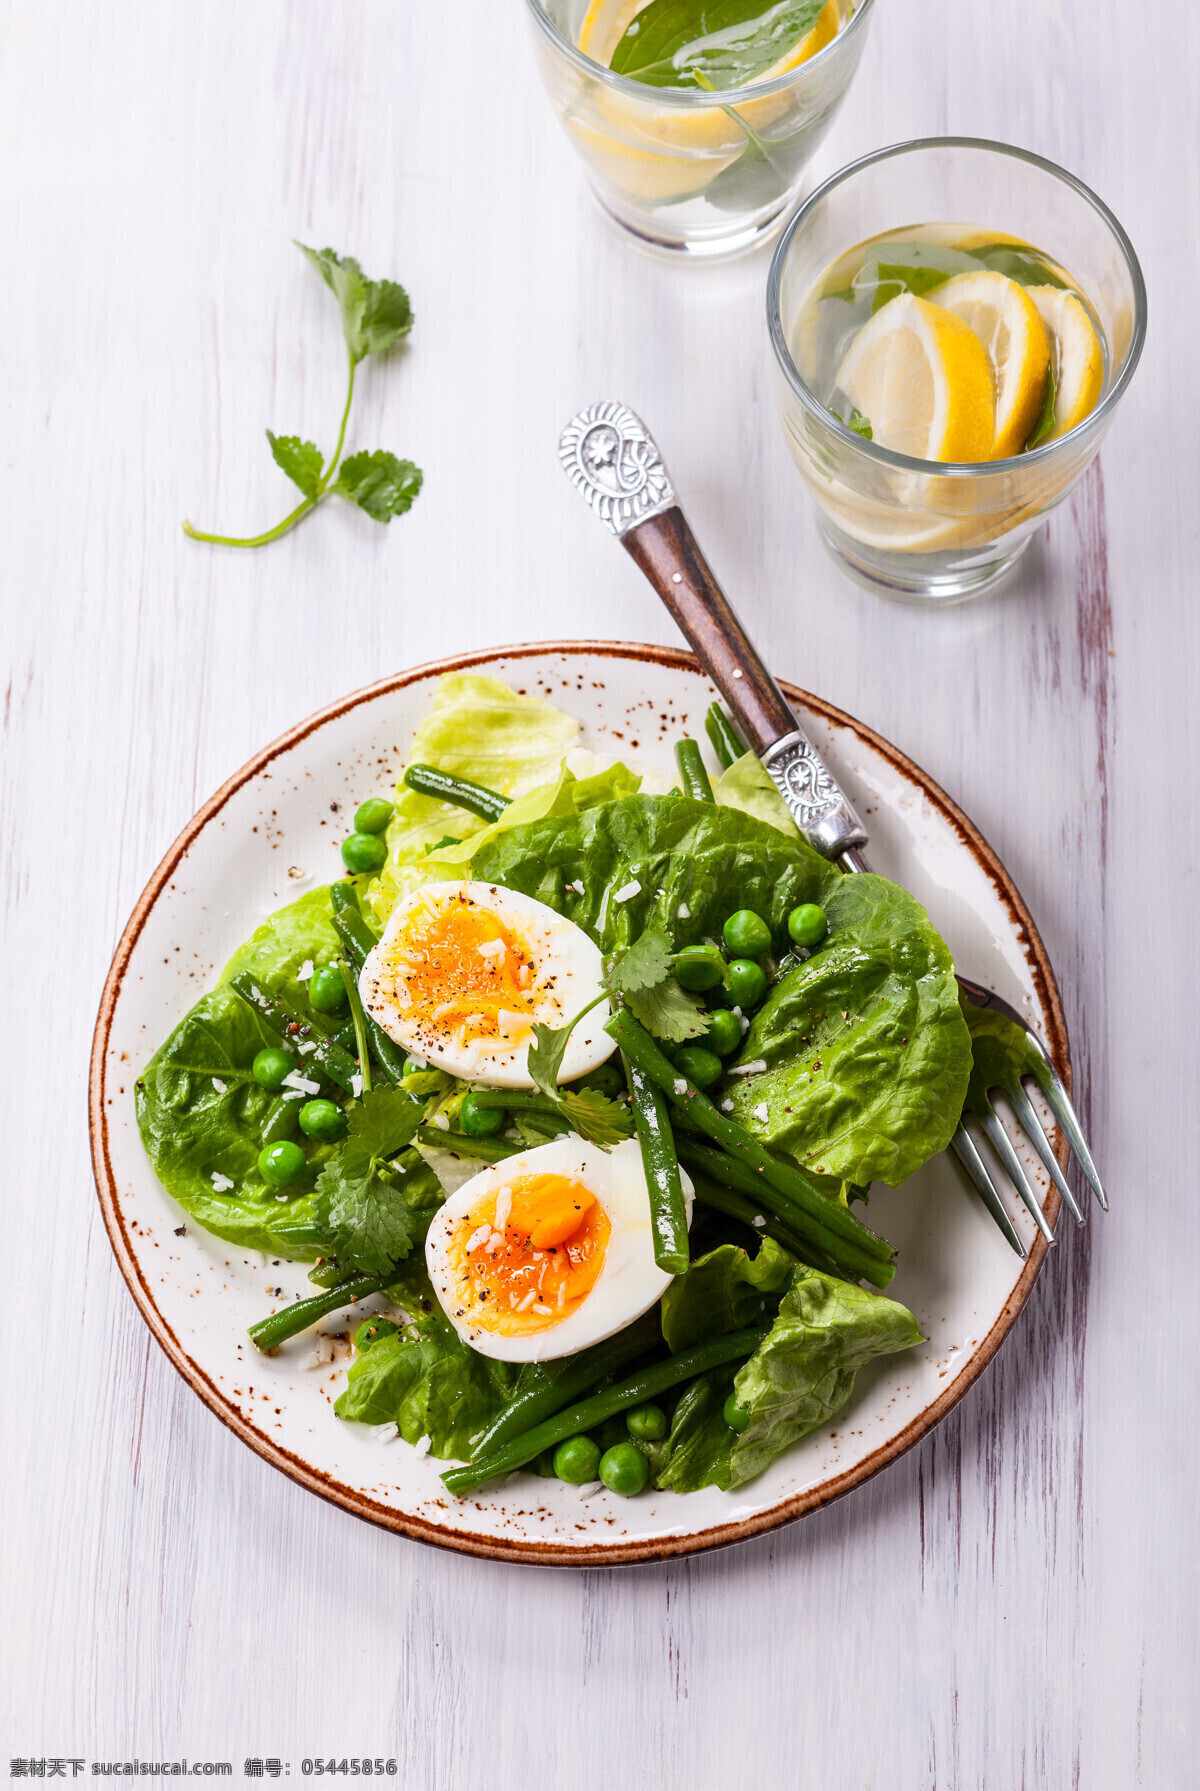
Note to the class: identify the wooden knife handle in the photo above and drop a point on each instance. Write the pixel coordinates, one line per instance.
(669, 555)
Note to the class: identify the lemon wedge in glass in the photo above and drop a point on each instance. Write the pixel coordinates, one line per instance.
(1075, 355)
(921, 377)
(606, 22)
(1008, 324)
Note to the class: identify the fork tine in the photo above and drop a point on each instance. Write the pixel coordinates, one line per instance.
(1026, 1112)
(1002, 1145)
(963, 1146)
(1060, 1102)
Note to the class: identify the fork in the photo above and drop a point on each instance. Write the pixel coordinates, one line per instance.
(612, 460)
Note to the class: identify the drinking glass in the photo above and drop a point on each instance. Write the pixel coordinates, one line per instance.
(918, 530)
(682, 170)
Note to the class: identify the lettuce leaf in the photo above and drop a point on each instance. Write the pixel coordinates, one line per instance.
(286, 940)
(727, 1290)
(680, 854)
(482, 730)
(867, 1051)
(192, 1129)
(427, 1381)
(747, 785)
(803, 1372)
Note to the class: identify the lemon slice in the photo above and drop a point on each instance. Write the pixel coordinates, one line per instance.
(921, 376)
(1008, 324)
(1075, 355)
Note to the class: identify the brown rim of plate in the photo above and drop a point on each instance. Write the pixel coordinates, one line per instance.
(445, 1535)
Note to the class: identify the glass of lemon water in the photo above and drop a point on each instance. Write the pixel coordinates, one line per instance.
(695, 119)
(954, 324)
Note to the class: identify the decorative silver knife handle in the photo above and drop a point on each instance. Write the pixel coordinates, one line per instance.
(612, 460)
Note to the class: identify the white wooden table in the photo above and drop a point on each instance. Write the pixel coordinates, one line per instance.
(1014, 1604)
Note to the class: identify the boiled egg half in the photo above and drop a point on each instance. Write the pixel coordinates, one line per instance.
(465, 969)
(548, 1252)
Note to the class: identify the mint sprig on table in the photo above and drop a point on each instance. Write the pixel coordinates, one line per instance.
(673, 43)
(376, 314)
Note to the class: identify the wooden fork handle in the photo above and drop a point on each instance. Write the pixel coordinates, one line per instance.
(665, 548)
(669, 554)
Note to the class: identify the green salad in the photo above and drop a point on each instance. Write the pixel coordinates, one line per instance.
(586, 1084)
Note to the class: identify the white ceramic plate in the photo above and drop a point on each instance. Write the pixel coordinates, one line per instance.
(230, 866)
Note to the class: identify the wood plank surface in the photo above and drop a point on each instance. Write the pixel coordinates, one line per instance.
(1015, 1603)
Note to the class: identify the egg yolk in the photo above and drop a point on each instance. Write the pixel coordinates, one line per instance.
(460, 969)
(524, 1258)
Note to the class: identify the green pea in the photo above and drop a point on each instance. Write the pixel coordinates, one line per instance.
(698, 967)
(363, 853)
(323, 1121)
(327, 990)
(373, 1331)
(747, 982)
(480, 1122)
(576, 1461)
(724, 1033)
(746, 934)
(648, 1423)
(698, 1065)
(735, 1415)
(807, 925)
(606, 1080)
(271, 1065)
(624, 1469)
(281, 1164)
(373, 815)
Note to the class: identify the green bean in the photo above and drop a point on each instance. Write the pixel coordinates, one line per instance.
(336, 1063)
(362, 1051)
(426, 780)
(269, 1333)
(357, 940)
(647, 1384)
(668, 1213)
(838, 1231)
(727, 1172)
(488, 1150)
(723, 736)
(692, 775)
(560, 1383)
(281, 1119)
(503, 1099)
(741, 1207)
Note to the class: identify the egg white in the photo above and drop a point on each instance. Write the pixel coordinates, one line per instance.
(568, 972)
(630, 1280)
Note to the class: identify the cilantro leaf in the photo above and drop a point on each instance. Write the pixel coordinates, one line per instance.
(301, 461)
(379, 484)
(645, 964)
(360, 1196)
(595, 1117)
(642, 976)
(375, 313)
(668, 1012)
(548, 1048)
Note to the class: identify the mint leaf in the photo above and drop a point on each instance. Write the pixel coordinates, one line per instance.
(375, 313)
(379, 483)
(861, 425)
(673, 43)
(360, 1196)
(1045, 422)
(301, 461)
(895, 278)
